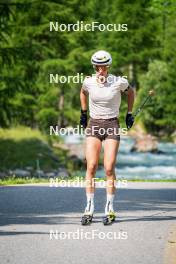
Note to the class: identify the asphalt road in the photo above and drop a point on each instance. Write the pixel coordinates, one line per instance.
(41, 224)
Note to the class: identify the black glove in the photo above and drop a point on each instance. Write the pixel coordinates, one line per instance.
(83, 118)
(129, 120)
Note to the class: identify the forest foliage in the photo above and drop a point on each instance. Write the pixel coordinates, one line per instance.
(30, 52)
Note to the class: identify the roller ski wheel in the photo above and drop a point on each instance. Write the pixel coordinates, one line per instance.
(109, 219)
(86, 219)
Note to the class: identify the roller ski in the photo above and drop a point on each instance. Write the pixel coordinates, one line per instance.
(109, 218)
(89, 210)
(86, 219)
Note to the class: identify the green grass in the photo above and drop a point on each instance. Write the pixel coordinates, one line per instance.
(22, 146)
(14, 181)
(151, 180)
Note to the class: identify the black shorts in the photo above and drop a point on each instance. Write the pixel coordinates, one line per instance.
(103, 128)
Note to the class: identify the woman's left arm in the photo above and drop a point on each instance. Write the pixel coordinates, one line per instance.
(130, 99)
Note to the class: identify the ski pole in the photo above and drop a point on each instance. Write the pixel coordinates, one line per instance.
(150, 94)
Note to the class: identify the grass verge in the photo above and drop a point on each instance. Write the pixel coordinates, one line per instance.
(14, 181)
(23, 147)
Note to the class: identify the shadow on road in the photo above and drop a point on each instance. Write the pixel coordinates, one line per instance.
(30, 205)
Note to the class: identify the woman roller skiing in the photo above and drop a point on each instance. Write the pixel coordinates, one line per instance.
(104, 91)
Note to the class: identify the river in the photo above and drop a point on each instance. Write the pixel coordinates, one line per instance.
(132, 165)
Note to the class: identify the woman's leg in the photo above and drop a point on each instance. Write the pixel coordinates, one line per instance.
(110, 152)
(92, 153)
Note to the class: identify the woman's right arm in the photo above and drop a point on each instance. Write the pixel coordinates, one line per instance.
(83, 99)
